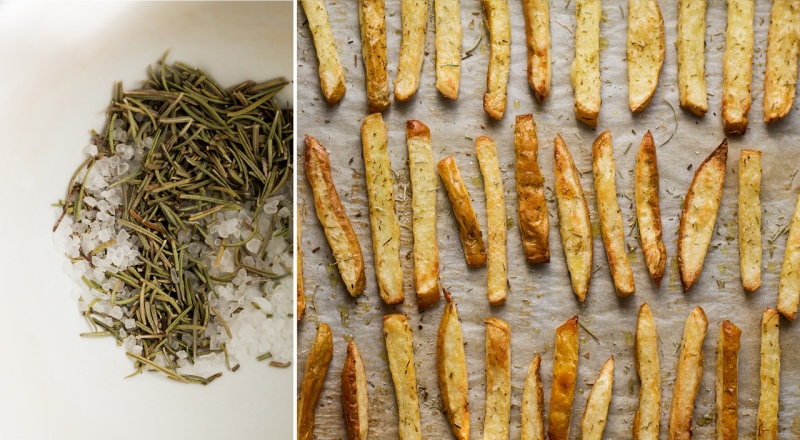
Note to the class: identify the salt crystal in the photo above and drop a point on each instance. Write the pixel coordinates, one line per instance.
(90, 149)
(253, 245)
(116, 312)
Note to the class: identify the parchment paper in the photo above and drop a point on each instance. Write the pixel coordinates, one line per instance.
(540, 298)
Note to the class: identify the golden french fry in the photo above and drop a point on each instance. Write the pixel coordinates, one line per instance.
(301, 295)
(691, 56)
(727, 381)
(412, 48)
(648, 213)
(470, 230)
(534, 224)
(789, 286)
(737, 66)
(770, 376)
(451, 365)
(750, 219)
(372, 19)
(537, 34)
(355, 397)
(565, 372)
(585, 70)
(319, 359)
(688, 376)
(646, 48)
(448, 46)
(496, 214)
(399, 347)
(331, 75)
(647, 420)
(498, 380)
(497, 16)
(596, 412)
(783, 51)
(533, 403)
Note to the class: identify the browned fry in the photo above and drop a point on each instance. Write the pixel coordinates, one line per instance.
(688, 376)
(470, 230)
(534, 223)
(400, 352)
(648, 213)
(319, 359)
(451, 365)
(498, 380)
(301, 295)
(727, 381)
(537, 34)
(372, 18)
(565, 372)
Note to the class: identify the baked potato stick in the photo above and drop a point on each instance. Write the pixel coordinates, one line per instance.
(646, 48)
(534, 224)
(496, 218)
(565, 372)
(448, 46)
(647, 420)
(727, 381)
(533, 403)
(770, 376)
(648, 213)
(412, 48)
(399, 347)
(688, 376)
(372, 19)
(470, 230)
(355, 398)
(498, 380)
(331, 75)
(783, 51)
(596, 412)
(301, 295)
(451, 365)
(537, 35)
(319, 359)
(494, 100)
(750, 219)
(737, 66)
(612, 227)
(423, 207)
(382, 217)
(585, 69)
(338, 230)
(573, 218)
(789, 287)
(699, 214)
(691, 56)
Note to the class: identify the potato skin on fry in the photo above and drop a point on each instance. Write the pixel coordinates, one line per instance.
(400, 351)
(532, 407)
(596, 413)
(770, 376)
(448, 47)
(585, 69)
(537, 34)
(319, 359)
(355, 399)
(648, 212)
(737, 66)
(496, 219)
(498, 380)
(647, 420)
(372, 18)
(494, 100)
(727, 381)
(783, 51)
(331, 75)
(750, 219)
(534, 223)
(789, 286)
(412, 48)
(469, 228)
(646, 48)
(565, 372)
(301, 295)
(451, 365)
(688, 376)
(691, 56)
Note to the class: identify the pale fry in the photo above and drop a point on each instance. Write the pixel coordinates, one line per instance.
(319, 359)
(737, 66)
(451, 366)
(372, 20)
(355, 397)
(646, 48)
(470, 230)
(498, 380)
(596, 412)
(574, 223)
(789, 286)
(534, 224)
(585, 69)
(400, 351)
(648, 212)
(565, 372)
(647, 420)
(699, 214)
(301, 295)
(783, 51)
(382, 216)
(412, 48)
(688, 376)
(496, 218)
(533, 403)
(331, 75)
(497, 16)
(612, 227)
(537, 34)
(448, 46)
(423, 207)
(750, 219)
(770, 376)
(338, 230)
(691, 56)
(727, 381)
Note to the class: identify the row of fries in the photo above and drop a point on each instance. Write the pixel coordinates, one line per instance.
(454, 384)
(646, 48)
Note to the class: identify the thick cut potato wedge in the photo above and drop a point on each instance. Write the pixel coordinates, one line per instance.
(537, 36)
(372, 18)
(783, 51)
(647, 420)
(688, 376)
(789, 287)
(448, 46)
(382, 217)
(319, 359)
(699, 214)
(737, 66)
(534, 224)
(533, 403)
(727, 381)
(355, 398)
(646, 48)
(338, 230)
(612, 227)
(596, 412)
(412, 48)
(692, 56)
(770, 376)
(573, 218)
(496, 218)
(750, 219)
(423, 207)
(451, 365)
(585, 69)
(497, 16)
(400, 351)
(498, 380)
(331, 75)
(301, 295)
(565, 372)
(648, 212)
(470, 230)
